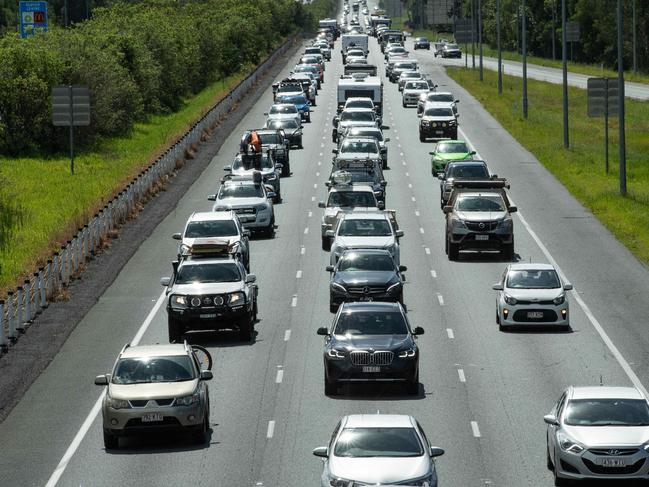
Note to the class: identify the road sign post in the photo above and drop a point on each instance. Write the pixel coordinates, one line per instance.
(572, 36)
(564, 68)
(70, 108)
(603, 102)
(33, 18)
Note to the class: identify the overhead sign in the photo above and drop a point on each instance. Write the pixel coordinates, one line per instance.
(70, 106)
(33, 18)
(464, 31)
(602, 95)
(572, 31)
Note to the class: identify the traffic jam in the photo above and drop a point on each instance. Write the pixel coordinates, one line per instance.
(592, 432)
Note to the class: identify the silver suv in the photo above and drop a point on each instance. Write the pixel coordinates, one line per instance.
(156, 387)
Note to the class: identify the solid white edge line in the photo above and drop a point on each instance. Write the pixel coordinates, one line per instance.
(270, 430)
(475, 429)
(460, 373)
(94, 412)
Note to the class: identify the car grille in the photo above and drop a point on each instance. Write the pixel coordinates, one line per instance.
(523, 301)
(629, 469)
(481, 226)
(245, 211)
(613, 452)
(210, 301)
(366, 290)
(140, 403)
(368, 358)
(548, 315)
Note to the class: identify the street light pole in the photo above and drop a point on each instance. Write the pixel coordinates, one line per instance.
(473, 33)
(524, 27)
(554, 29)
(480, 36)
(620, 90)
(564, 55)
(635, 42)
(500, 54)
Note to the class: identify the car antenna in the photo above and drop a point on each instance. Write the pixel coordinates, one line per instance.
(601, 380)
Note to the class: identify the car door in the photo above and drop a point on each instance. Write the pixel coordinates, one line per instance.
(330, 449)
(557, 410)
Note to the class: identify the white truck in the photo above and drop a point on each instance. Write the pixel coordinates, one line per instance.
(354, 40)
(361, 85)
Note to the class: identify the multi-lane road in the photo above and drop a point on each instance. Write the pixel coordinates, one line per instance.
(483, 393)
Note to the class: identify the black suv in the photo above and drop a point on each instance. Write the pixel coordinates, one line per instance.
(370, 342)
(478, 217)
(438, 122)
(365, 275)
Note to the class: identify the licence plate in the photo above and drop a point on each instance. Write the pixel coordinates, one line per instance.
(535, 314)
(371, 369)
(247, 218)
(208, 316)
(365, 298)
(440, 132)
(613, 462)
(482, 237)
(152, 417)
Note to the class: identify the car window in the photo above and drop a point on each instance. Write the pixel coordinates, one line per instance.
(351, 199)
(371, 323)
(359, 146)
(143, 370)
(283, 109)
(208, 273)
(364, 228)
(359, 104)
(410, 74)
(246, 163)
(468, 172)
(214, 228)
(357, 116)
(533, 279)
(354, 261)
(360, 132)
(296, 100)
(446, 148)
(607, 412)
(439, 97)
(451, 46)
(364, 176)
(417, 85)
(439, 112)
(241, 191)
(378, 442)
(270, 138)
(480, 203)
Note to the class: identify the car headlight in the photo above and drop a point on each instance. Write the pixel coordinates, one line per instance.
(455, 223)
(236, 298)
(559, 299)
(505, 223)
(568, 444)
(426, 481)
(409, 353)
(392, 248)
(262, 207)
(395, 288)
(118, 403)
(184, 248)
(339, 287)
(178, 301)
(187, 400)
(510, 300)
(336, 354)
(271, 177)
(443, 124)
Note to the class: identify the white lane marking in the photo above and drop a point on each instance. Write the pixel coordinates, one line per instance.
(407, 174)
(271, 429)
(306, 230)
(440, 298)
(298, 275)
(321, 154)
(287, 335)
(413, 198)
(315, 185)
(427, 250)
(280, 375)
(324, 137)
(404, 163)
(321, 144)
(433, 273)
(421, 229)
(317, 174)
(319, 163)
(417, 213)
(401, 154)
(312, 198)
(302, 250)
(87, 424)
(410, 185)
(460, 373)
(475, 429)
(449, 332)
(310, 214)
(294, 301)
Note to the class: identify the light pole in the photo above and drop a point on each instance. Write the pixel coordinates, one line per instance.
(524, 35)
(554, 29)
(473, 33)
(480, 36)
(564, 55)
(620, 91)
(635, 42)
(500, 54)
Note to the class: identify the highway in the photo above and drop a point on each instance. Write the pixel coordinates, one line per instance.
(483, 393)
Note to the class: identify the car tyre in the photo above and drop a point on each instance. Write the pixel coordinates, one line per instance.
(111, 442)
(200, 432)
(412, 386)
(422, 138)
(508, 251)
(299, 145)
(246, 329)
(453, 251)
(326, 244)
(548, 460)
(286, 170)
(333, 307)
(175, 330)
(330, 387)
(560, 481)
(497, 317)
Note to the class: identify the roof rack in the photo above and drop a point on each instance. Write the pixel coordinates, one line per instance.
(496, 183)
(211, 247)
(356, 163)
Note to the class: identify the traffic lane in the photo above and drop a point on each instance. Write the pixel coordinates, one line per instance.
(502, 363)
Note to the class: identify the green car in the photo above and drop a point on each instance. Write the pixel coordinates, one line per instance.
(448, 151)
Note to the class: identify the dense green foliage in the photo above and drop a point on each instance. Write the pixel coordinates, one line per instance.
(137, 59)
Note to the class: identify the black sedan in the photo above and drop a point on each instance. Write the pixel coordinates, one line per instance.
(371, 342)
(365, 275)
(422, 43)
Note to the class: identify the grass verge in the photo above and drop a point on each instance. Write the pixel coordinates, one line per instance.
(580, 168)
(50, 204)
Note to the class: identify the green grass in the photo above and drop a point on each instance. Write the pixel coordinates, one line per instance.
(581, 168)
(54, 204)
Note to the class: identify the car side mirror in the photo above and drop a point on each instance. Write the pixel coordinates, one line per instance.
(321, 451)
(246, 233)
(494, 176)
(418, 330)
(334, 122)
(271, 195)
(165, 281)
(321, 204)
(513, 209)
(330, 233)
(211, 197)
(431, 153)
(403, 268)
(279, 166)
(330, 268)
(436, 451)
(323, 331)
(206, 375)
(398, 233)
(334, 151)
(457, 101)
(381, 205)
(473, 153)
(227, 168)
(440, 176)
(387, 139)
(567, 286)
(384, 127)
(383, 183)
(101, 380)
(447, 209)
(497, 287)
(250, 278)
(177, 236)
(551, 419)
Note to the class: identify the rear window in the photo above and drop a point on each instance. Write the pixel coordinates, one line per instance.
(214, 228)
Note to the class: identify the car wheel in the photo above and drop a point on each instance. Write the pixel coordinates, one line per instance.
(299, 145)
(412, 386)
(326, 244)
(422, 138)
(286, 170)
(403, 104)
(560, 481)
(453, 251)
(254, 310)
(333, 307)
(308, 119)
(508, 251)
(246, 329)
(200, 432)
(175, 329)
(270, 231)
(497, 317)
(385, 165)
(330, 387)
(441, 203)
(548, 460)
(278, 198)
(111, 442)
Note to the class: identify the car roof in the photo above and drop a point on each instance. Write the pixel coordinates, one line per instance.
(282, 105)
(482, 192)
(437, 104)
(157, 350)
(359, 98)
(452, 141)
(605, 392)
(466, 163)
(441, 93)
(373, 215)
(530, 266)
(204, 216)
(359, 138)
(365, 188)
(201, 260)
(367, 251)
(379, 421)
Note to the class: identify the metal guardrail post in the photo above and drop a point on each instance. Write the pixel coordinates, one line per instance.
(11, 329)
(19, 308)
(3, 335)
(49, 285)
(36, 278)
(42, 287)
(28, 301)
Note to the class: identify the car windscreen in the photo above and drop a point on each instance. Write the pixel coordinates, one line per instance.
(607, 412)
(353, 199)
(371, 323)
(241, 191)
(364, 228)
(364, 176)
(357, 116)
(360, 132)
(356, 261)
(455, 148)
(270, 138)
(208, 273)
(359, 104)
(405, 66)
(410, 74)
(309, 60)
(306, 69)
(451, 46)
(468, 172)
(144, 370)
(282, 124)
(248, 162)
(533, 279)
(480, 203)
(296, 100)
(283, 109)
(439, 97)
(213, 228)
(417, 85)
(396, 49)
(378, 442)
(439, 112)
(359, 146)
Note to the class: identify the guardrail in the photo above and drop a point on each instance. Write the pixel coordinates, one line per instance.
(22, 305)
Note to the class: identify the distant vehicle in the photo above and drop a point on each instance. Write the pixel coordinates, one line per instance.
(532, 294)
(421, 43)
(292, 130)
(406, 76)
(437, 97)
(284, 111)
(438, 122)
(598, 433)
(156, 388)
(374, 132)
(354, 117)
(451, 51)
(301, 103)
(412, 90)
(246, 164)
(401, 66)
(438, 47)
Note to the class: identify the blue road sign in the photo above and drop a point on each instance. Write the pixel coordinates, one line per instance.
(33, 18)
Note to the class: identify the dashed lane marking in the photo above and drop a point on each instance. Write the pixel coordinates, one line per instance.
(294, 301)
(440, 299)
(306, 230)
(421, 230)
(280, 375)
(287, 335)
(271, 429)
(427, 250)
(433, 274)
(302, 250)
(417, 213)
(475, 429)
(298, 275)
(449, 332)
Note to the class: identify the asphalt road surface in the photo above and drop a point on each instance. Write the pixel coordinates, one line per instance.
(483, 393)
